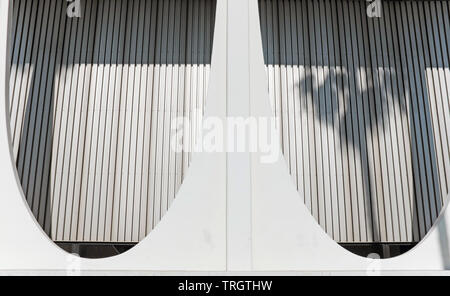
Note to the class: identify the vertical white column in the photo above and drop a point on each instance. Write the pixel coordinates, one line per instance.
(239, 207)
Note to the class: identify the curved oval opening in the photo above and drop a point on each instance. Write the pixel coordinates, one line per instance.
(362, 100)
(94, 89)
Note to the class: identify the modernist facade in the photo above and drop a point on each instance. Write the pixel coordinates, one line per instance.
(361, 102)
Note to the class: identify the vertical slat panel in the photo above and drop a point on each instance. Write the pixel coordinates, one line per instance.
(92, 101)
(363, 111)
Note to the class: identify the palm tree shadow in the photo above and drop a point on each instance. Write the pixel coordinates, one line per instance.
(369, 83)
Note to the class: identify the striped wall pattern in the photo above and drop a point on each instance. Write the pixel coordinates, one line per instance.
(91, 104)
(363, 106)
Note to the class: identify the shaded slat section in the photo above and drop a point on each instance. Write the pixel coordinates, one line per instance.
(92, 101)
(363, 107)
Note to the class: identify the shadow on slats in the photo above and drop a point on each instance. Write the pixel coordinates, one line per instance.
(91, 103)
(364, 112)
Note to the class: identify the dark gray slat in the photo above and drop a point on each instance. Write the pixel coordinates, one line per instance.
(168, 104)
(270, 27)
(95, 96)
(121, 86)
(181, 56)
(410, 129)
(320, 114)
(364, 204)
(70, 103)
(263, 13)
(187, 74)
(327, 133)
(303, 185)
(17, 46)
(363, 183)
(368, 202)
(154, 118)
(25, 83)
(384, 97)
(201, 30)
(346, 130)
(287, 97)
(154, 206)
(424, 112)
(421, 91)
(297, 100)
(145, 198)
(163, 80)
(353, 127)
(446, 21)
(386, 230)
(193, 101)
(15, 27)
(30, 89)
(433, 91)
(135, 158)
(375, 181)
(88, 101)
(336, 166)
(80, 123)
(395, 127)
(126, 88)
(38, 80)
(434, 59)
(174, 99)
(20, 80)
(444, 32)
(392, 136)
(270, 53)
(281, 87)
(114, 93)
(54, 124)
(18, 28)
(71, 141)
(441, 141)
(99, 114)
(61, 114)
(133, 75)
(276, 70)
(345, 203)
(305, 97)
(44, 113)
(97, 109)
(127, 182)
(403, 129)
(210, 19)
(106, 112)
(352, 217)
(141, 199)
(45, 208)
(414, 117)
(32, 113)
(311, 97)
(388, 129)
(332, 211)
